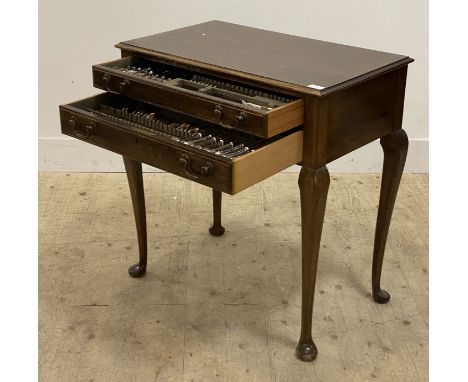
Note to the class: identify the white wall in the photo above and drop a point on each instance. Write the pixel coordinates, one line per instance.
(73, 35)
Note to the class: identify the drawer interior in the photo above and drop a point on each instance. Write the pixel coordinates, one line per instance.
(179, 129)
(249, 97)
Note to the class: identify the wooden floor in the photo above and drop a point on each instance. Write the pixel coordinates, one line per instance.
(226, 308)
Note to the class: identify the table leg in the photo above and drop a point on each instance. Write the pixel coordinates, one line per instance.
(395, 147)
(313, 186)
(135, 182)
(217, 229)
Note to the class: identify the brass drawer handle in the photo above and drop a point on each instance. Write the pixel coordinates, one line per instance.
(89, 128)
(186, 163)
(123, 85)
(218, 110)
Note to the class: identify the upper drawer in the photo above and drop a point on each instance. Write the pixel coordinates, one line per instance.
(227, 103)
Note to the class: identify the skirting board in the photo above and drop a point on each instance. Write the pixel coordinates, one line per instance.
(71, 155)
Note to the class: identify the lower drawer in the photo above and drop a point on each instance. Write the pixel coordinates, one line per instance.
(197, 150)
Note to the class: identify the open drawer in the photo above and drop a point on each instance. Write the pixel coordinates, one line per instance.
(223, 159)
(230, 104)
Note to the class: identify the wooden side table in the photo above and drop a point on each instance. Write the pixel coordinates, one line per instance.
(336, 98)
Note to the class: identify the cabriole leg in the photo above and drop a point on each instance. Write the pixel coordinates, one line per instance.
(135, 182)
(217, 229)
(313, 186)
(395, 147)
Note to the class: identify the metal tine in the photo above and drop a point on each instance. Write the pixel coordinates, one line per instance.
(234, 153)
(217, 144)
(186, 131)
(237, 153)
(149, 118)
(175, 129)
(194, 130)
(219, 149)
(178, 129)
(166, 127)
(158, 125)
(154, 124)
(135, 117)
(200, 140)
(144, 119)
(232, 149)
(208, 143)
(193, 137)
(172, 128)
(152, 121)
(190, 131)
(141, 118)
(163, 126)
(183, 130)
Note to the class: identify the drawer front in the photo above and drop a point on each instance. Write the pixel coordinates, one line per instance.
(85, 121)
(189, 165)
(217, 101)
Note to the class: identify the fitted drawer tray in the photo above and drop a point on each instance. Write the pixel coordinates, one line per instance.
(228, 103)
(160, 138)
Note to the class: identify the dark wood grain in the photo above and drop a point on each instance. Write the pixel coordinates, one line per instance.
(143, 148)
(364, 113)
(135, 183)
(313, 185)
(255, 121)
(225, 174)
(280, 57)
(217, 229)
(177, 99)
(395, 147)
(315, 131)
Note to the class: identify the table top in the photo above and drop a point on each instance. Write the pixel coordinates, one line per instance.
(302, 64)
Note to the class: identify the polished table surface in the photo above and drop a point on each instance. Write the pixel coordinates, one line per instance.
(307, 63)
